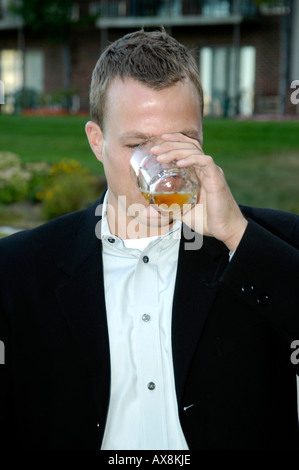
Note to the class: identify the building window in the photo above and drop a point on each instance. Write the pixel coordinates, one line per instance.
(18, 75)
(34, 70)
(11, 66)
(228, 80)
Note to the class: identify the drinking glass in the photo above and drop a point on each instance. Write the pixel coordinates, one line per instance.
(164, 185)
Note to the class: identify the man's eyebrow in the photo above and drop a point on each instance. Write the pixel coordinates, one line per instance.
(134, 135)
(188, 132)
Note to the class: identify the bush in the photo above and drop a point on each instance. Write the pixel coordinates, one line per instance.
(70, 187)
(19, 181)
(64, 187)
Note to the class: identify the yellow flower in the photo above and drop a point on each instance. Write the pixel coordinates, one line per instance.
(54, 169)
(49, 194)
(39, 195)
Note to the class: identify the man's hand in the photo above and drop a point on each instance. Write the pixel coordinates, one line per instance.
(222, 216)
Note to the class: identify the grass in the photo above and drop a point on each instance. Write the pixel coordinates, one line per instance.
(48, 139)
(260, 159)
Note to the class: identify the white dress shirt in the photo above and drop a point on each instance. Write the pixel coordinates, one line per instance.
(139, 279)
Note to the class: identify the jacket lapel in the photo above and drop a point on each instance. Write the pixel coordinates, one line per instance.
(81, 297)
(195, 291)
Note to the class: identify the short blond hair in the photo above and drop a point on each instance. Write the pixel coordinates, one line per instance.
(153, 58)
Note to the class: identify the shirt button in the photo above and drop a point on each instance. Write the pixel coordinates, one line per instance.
(263, 299)
(151, 386)
(247, 289)
(145, 259)
(111, 240)
(146, 317)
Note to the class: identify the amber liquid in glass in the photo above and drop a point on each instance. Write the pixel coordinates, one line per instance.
(167, 198)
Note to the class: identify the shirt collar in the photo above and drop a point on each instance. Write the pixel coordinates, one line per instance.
(140, 243)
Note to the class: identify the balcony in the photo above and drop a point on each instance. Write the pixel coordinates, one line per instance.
(7, 19)
(136, 13)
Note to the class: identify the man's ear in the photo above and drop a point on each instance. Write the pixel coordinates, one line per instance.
(95, 138)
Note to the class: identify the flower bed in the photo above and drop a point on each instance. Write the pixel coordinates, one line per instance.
(55, 189)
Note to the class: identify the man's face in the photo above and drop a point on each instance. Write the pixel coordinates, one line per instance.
(136, 112)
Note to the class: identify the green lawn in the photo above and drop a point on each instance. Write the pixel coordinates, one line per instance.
(260, 159)
(47, 139)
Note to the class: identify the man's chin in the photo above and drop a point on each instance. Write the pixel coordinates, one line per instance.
(150, 216)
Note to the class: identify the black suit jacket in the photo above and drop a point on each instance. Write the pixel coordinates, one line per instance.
(233, 325)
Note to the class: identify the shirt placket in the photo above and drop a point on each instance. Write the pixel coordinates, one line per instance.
(148, 350)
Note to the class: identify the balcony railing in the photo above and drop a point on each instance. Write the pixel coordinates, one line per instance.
(7, 19)
(173, 8)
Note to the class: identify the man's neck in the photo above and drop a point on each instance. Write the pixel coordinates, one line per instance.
(128, 227)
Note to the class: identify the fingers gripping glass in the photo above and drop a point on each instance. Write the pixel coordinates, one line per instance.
(165, 185)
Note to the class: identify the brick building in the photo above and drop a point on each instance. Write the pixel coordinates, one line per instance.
(247, 56)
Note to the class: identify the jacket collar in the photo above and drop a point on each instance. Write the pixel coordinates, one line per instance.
(84, 240)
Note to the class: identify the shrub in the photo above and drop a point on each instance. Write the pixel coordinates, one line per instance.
(70, 187)
(40, 173)
(64, 187)
(19, 181)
